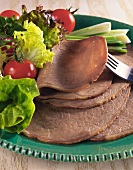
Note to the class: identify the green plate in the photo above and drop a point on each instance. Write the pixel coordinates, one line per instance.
(81, 152)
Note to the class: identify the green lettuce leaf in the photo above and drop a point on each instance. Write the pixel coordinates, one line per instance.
(31, 43)
(16, 103)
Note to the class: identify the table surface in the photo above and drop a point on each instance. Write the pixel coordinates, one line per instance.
(121, 10)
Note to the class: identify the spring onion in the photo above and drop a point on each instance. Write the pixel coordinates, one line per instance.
(116, 39)
(95, 29)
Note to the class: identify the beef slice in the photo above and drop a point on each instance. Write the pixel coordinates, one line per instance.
(75, 64)
(113, 91)
(126, 58)
(122, 126)
(67, 126)
(90, 91)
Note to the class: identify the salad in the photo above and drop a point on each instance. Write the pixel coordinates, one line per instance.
(26, 43)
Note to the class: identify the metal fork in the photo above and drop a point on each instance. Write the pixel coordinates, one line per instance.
(119, 68)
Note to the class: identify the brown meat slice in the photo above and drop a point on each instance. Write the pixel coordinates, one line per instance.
(92, 90)
(113, 91)
(75, 64)
(67, 126)
(126, 58)
(122, 126)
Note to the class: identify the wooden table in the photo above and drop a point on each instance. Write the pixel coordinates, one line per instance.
(121, 10)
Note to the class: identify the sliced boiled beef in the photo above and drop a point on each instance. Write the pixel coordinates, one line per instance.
(75, 65)
(122, 126)
(92, 90)
(67, 126)
(126, 58)
(113, 91)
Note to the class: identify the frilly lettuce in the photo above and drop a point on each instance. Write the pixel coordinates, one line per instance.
(31, 42)
(16, 103)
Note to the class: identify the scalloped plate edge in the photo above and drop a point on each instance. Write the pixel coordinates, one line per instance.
(66, 157)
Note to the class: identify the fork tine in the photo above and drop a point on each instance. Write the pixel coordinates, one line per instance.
(110, 66)
(112, 63)
(114, 59)
(119, 68)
